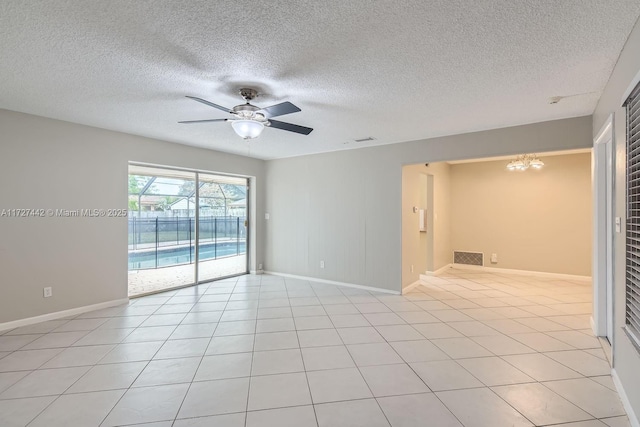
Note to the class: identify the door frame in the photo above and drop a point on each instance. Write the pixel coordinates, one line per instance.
(603, 228)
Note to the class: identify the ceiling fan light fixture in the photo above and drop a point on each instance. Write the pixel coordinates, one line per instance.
(249, 121)
(247, 129)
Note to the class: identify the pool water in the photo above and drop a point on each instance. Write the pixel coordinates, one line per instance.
(183, 255)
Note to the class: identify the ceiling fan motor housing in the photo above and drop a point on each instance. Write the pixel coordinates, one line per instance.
(248, 94)
(248, 111)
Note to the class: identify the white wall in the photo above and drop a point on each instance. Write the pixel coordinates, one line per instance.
(46, 164)
(626, 358)
(345, 207)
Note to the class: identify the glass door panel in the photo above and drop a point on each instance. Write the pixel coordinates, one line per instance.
(162, 225)
(222, 240)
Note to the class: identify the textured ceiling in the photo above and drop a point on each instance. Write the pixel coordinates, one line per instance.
(395, 70)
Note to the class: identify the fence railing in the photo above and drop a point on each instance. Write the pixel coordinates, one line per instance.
(160, 242)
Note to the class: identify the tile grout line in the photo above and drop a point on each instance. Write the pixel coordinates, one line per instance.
(306, 376)
(143, 369)
(184, 398)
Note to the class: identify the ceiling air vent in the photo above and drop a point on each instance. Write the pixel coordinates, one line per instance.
(367, 139)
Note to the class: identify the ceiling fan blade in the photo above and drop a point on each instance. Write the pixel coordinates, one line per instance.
(290, 127)
(210, 104)
(280, 109)
(203, 121)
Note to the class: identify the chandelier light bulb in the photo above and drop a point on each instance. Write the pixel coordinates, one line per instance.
(537, 163)
(524, 161)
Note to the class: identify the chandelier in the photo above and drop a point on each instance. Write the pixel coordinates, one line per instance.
(524, 162)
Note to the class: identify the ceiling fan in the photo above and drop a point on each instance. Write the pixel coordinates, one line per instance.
(249, 121)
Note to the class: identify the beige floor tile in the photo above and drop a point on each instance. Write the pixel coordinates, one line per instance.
(336, 385)
(147, 404)
(541, 405)
(540, 367)
(493, 371)
(20, 412)
(299, 416)
(445, 375)
(215, 398)
(413, 411)
(319, 358)
(590, 396)
(356, 413)
(392, 380)
(373, 354)
(278, 391)
(481, 408)
(82, 409)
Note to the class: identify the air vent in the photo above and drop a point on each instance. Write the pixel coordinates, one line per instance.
(468, 258)
(367, 139)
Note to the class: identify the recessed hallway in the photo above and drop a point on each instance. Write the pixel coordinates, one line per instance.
(469, 348)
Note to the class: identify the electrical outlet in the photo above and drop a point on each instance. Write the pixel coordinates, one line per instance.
(47, 292)
(321, 264)
(494, 258)
(259, 266)
(267, 216)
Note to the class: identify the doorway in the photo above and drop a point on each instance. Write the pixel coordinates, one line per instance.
(185, 227)
(487, 216)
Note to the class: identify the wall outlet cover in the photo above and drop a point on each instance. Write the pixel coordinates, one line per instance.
(47, 292)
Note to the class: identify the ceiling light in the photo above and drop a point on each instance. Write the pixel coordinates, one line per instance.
(524, 161)
(247, 129)
(536, 163)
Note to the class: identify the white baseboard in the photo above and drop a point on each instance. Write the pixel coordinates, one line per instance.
(411, 286)
(633, 419)
(438, 271)
(521, 272)
(60, 314)
(333, 282)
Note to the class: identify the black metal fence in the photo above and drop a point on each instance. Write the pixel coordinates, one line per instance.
(149, 232)
(162, 242)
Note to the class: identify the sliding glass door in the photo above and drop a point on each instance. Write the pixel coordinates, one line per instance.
(222, 236)
(184, 228)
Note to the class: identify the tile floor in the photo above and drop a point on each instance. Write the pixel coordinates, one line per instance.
(467, 349)
(142, 282)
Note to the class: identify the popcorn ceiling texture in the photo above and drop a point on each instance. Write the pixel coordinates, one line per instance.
(396, 70)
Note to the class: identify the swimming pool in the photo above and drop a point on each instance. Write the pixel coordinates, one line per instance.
(183, 255)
